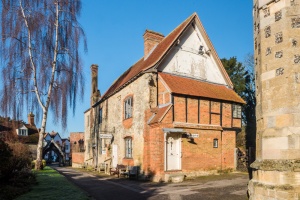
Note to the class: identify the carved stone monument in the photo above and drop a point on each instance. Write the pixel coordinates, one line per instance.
(276, 171)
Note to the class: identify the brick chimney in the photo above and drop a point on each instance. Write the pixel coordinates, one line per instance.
(95, 94)
(151, 39)
(31, 119)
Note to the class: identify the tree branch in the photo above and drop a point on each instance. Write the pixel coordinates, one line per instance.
(31, 57)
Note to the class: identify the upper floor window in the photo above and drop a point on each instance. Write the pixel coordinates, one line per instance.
(23, 132)
(88, 120)
(100, 116)
(128, 147)
(128, 108)
(237, 111)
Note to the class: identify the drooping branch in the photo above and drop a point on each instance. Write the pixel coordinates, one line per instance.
(31, 58)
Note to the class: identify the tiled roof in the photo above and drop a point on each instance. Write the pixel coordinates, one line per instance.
(157, 54)
(192, 87)
(160, 113)
(31, 129)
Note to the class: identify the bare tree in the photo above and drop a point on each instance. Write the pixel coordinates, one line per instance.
(40, 56)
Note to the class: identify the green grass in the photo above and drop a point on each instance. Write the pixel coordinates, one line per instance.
(52, 185)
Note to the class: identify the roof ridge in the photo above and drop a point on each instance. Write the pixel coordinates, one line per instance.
(142, 65)
(175, 38)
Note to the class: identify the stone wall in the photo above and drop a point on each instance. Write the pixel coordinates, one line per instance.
(277, 62)
(113, 122)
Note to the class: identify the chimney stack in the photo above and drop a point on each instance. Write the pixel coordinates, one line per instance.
(95, 94)
(151, 39)
(31, 119)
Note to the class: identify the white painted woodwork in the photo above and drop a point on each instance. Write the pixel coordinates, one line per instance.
(173, 151)
(185, 59)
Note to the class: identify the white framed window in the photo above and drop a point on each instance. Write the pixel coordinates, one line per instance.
(216, 143)
(23, 132)
(128, 107)
(128, 147)
(236, 111)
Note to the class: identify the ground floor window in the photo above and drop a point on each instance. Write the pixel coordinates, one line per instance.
(216, 143)
(128, 147)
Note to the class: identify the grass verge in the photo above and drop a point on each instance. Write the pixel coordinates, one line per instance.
(52, 185)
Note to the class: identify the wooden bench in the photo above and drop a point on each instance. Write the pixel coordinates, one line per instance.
(119, 169)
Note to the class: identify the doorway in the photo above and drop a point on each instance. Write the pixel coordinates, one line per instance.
(173, 151)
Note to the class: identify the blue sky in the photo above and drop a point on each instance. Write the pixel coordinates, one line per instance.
(114, 31)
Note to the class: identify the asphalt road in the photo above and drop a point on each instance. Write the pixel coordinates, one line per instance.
(226, 187)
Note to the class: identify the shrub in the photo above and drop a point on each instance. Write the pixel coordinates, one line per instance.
(16, 176)
(5, 156)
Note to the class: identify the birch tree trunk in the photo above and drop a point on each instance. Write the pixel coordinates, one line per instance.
(41, 63)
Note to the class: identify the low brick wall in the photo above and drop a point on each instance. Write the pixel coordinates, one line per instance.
(77, 159)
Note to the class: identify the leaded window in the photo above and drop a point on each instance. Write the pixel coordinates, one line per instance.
(237, 111)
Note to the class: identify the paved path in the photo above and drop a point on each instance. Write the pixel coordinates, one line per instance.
(225, 187)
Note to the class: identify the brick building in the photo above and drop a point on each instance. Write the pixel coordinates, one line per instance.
(173, 112)
(77, 148)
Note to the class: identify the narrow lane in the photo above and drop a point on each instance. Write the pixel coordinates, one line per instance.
(104, 188)
(229, 186)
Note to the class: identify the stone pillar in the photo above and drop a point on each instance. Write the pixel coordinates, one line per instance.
(276, 171)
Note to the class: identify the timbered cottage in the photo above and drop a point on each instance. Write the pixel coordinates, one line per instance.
(172, 112)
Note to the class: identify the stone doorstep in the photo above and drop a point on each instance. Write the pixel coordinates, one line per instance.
(174, 178)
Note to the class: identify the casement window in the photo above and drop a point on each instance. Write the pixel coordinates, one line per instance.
(216, 143)
(128, 147)
(23, 132)
(236, 111)
(100, 116)
(128, 108)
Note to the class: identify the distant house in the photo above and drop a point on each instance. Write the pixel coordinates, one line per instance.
(52, 153)
(77, 148)
(172, 112)
(27, 129)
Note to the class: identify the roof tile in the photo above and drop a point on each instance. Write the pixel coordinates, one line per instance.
(151, 60)
(192, 87)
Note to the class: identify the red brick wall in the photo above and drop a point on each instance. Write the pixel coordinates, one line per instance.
(75, 137)
(227, 115)
(228, 147)
(200, 155)
(192, 110)
(179, 109)
(236, 123)
(204, 111)
(78, 157)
